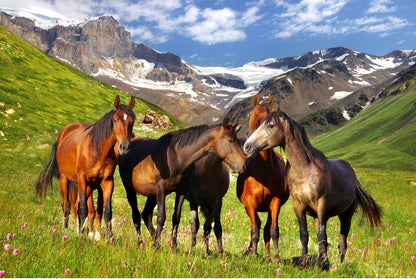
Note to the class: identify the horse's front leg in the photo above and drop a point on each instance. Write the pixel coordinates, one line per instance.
(274, 229)
(255, 229)
(161, 211)
(147, 215)
(322, 242)
(304, 235)
(107, 187)
(176, 218)
(132, 199)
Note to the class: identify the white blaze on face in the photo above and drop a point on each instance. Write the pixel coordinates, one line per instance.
(125, 117)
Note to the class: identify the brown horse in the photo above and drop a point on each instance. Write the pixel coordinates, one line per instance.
(86, 155)
(261, 187)
(154, 167)
(203, 184)
(319, 187)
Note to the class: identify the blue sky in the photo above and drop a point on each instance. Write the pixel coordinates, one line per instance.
(231, 32)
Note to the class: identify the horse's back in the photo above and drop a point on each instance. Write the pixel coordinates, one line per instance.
(343, 185)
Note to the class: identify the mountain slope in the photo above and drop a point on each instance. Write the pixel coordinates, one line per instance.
(40, 95)
(381, 136)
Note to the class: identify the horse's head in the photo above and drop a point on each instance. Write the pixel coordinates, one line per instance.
(229, 148)
(269, 134)
(259, 113)
(123, 120)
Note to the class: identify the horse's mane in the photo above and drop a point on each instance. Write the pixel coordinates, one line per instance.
(103, 127)
(187, 136)
(298, 132)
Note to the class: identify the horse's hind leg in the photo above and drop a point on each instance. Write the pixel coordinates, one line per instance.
(345, 220)
(266, 234)
(65, 202)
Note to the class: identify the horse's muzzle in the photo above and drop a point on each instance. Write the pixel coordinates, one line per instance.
(123, 148)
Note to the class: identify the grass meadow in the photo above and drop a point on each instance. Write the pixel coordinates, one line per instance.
(40, 247)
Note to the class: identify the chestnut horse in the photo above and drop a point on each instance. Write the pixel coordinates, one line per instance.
(204, 184)
(85, 155)
(319, 187)
(261, 187)
(154, 167)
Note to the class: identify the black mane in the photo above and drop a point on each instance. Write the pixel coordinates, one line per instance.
(103, 127)
(185, 137)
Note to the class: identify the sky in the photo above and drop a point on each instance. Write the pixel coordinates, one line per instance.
(231, 33)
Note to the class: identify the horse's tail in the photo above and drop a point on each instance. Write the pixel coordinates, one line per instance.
(49, 172)
(371, 210)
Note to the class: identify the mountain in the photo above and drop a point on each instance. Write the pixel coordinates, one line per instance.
(328, 86)
(301, 85)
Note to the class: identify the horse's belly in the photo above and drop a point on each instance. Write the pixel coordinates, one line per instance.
(143, 178)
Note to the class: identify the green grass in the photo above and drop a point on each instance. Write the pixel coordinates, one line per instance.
(46, 95)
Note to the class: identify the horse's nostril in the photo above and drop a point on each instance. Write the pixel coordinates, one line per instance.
(247, 147)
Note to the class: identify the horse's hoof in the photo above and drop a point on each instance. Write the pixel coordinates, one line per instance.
(91, 235)
(97, 236)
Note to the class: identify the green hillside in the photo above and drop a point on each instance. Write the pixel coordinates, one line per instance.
(381, 137)
(40, 95)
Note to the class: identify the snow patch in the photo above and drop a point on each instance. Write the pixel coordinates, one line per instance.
(340, 95)
(346, 115)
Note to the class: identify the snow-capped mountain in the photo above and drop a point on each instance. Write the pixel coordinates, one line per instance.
(103, 48)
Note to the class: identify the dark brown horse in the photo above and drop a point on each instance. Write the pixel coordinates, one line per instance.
(319, 187)
(203, 184)
(154, 167)
(85, 155)
(261, 187)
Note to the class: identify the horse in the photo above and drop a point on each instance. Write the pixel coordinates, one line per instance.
(204, 184)
(153, 167)
(319, 187)
(261, 187)
(86, 155)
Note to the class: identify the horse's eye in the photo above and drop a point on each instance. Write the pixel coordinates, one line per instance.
(230, 140)
(271, 124)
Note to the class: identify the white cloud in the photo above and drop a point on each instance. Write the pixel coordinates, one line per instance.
(381, 6)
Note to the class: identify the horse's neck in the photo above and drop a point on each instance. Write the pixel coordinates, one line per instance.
(267, 155)
(189, 154)
(105, 148)
(295, 153)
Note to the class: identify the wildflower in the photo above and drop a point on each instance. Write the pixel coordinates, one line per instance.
(168, 240)
(25, 225)
(9, 237)
(226, 265)
(43, 227)
(413, 258)
(334, 267)
(67, 271)
(2, 273)
(22, 228)
(406, 244)
(189, 264)
(64, 238)
(278, 272)
(353, 236)
(7, 247)
(16, 252)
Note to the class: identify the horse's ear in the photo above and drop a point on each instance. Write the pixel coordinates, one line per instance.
(117, 102)
(237, 128)
(256, 100)
(132, 102)
(270, 102)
